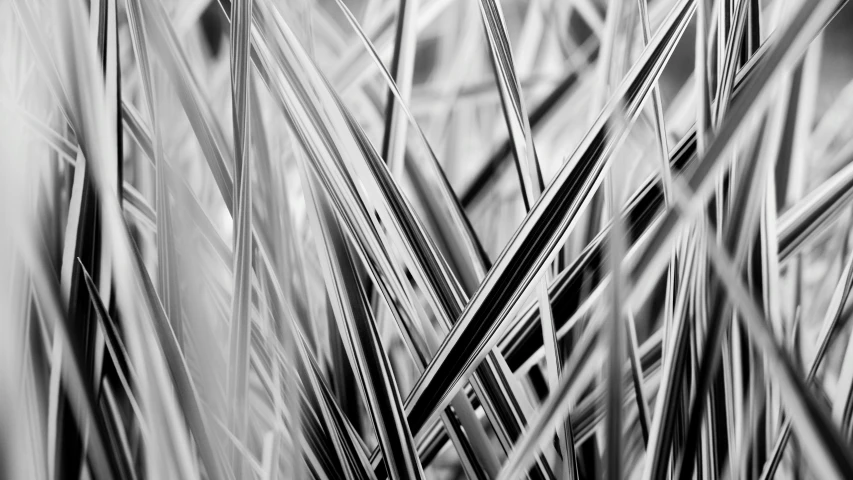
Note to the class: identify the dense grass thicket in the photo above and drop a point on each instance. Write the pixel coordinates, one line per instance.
(426, 239)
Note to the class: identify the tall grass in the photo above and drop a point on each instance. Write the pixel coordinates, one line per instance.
(425, 239)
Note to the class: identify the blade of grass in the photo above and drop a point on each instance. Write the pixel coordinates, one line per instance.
(238, 358)
(538, 236)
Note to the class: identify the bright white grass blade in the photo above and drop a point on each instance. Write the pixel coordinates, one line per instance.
(805, 101)
(238, 358)
(402, 69)
(110, 55)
